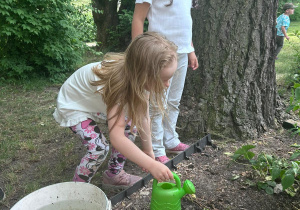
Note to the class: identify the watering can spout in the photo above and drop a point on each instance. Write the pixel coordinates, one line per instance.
(188, 188)
(182, 193)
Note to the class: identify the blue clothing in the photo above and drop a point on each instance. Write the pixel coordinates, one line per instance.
(282, 20)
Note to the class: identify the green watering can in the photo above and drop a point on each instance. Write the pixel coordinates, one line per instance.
(167, 196)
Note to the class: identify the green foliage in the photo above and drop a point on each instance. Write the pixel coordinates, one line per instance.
(82, 20)
(127, 5)
(296, 154)
(267, 186)
(295, 91)
(295, 104)
(244, 151)
(293, 55)
(272, 169)
(37, 38)
(297, 50)
(294, 99)
(120, 36)
(296, 15)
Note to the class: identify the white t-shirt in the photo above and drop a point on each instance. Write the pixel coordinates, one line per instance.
(77, 100)
(174, 22)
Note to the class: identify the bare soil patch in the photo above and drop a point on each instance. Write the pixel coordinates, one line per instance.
(212, 174)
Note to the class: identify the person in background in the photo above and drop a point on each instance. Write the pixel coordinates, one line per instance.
(171, 18)
(118, 89)
(283, 23)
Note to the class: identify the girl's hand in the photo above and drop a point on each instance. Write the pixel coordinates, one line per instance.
(193, 61)
(161, 172)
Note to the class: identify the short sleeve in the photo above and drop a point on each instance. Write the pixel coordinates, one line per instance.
(285, 21)
(142, 1)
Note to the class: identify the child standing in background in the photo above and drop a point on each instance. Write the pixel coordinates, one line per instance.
(283, 23)
(171, 18)
(118, 89)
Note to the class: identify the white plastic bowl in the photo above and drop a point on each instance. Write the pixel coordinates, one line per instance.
(65, 196)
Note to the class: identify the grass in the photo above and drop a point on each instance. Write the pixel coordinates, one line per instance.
(286, 65)
(34, 150)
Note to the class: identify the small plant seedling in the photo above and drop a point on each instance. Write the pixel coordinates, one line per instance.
(244, 152)
(274, 171)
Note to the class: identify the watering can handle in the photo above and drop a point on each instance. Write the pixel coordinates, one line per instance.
(177, 180)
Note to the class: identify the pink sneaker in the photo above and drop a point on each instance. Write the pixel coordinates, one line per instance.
(119, 181)
(162, 159)
(178, 149)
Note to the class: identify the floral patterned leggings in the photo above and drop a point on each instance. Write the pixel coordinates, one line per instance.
(97, 150)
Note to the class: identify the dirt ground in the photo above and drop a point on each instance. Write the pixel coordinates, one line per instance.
(212, 174)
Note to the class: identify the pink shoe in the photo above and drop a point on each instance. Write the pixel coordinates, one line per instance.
(162, 159)
(76, 178)
(119, 181)
(178, 149)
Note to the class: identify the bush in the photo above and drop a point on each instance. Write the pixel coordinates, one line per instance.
(37, 38)
(83, 21)
(296, 76)
(296, 15)
(120, 36)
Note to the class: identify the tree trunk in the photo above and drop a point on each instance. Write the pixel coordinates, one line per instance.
(127, 4)
(105, 16)
(233, 93)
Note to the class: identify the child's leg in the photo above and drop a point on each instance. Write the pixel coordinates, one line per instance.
(279, 44)
(173, 99)
(157, 131)
(117, 160)
(116, 177)
(97, 149)
(164, 135)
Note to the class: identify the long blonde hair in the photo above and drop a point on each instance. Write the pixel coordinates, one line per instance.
(125, 77)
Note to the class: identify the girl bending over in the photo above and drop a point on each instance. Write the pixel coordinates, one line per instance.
(119, 89)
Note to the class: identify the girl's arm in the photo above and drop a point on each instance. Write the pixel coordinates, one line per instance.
(284, 33)
(126, 147)
(139, 16)
(145, 134)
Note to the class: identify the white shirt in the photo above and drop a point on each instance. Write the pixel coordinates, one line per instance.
(77, 99)
(174, 21)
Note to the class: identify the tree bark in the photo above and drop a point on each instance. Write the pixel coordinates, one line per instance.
(233, 93)
(105, 19)
(127, 4)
